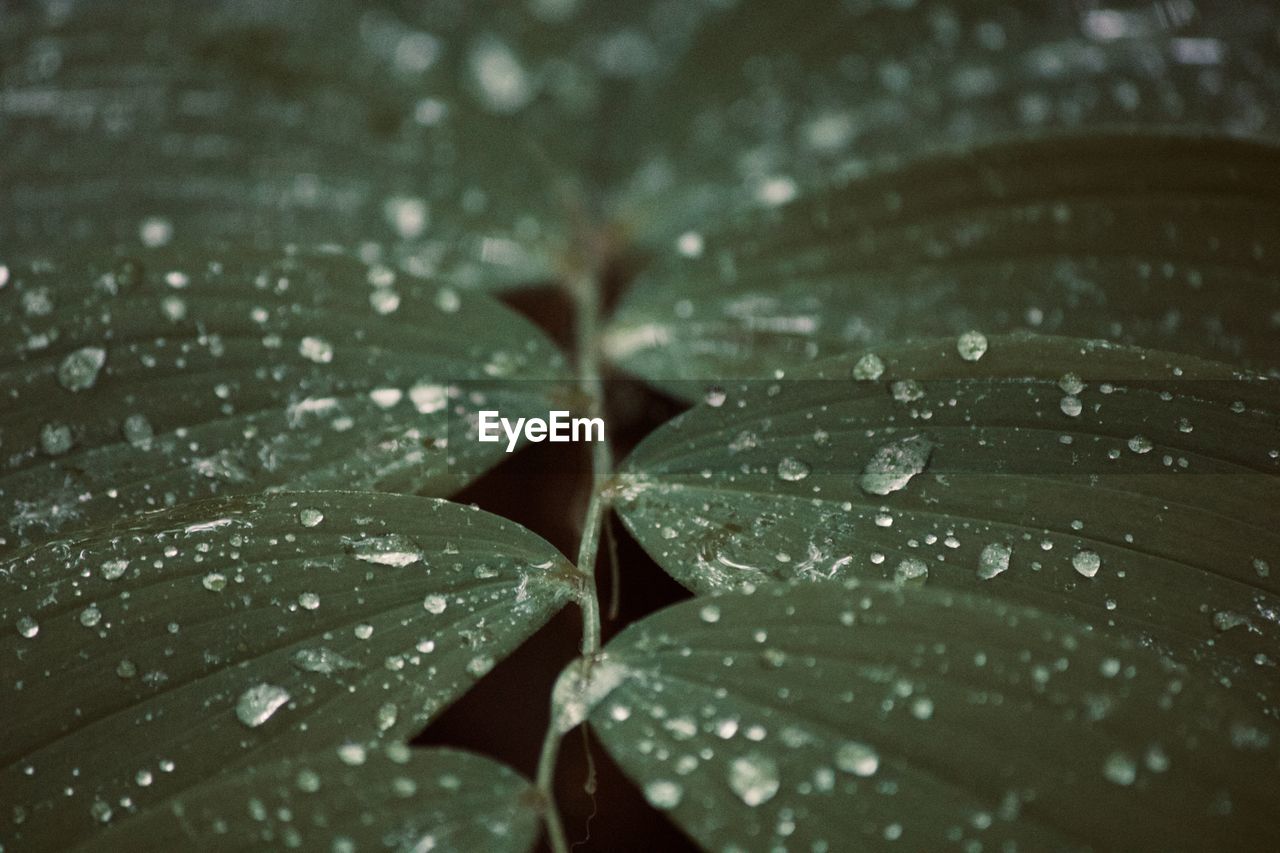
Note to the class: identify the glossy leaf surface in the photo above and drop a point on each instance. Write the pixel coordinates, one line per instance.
(884, 718)
(1137, 491)
(197, 642)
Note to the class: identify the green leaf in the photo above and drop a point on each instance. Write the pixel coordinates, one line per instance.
(1155, 241)
(315, 122)
(131, 385)
(855, 715)
(345, 799)
(1153, 512)
(228, 633)
(749, 102)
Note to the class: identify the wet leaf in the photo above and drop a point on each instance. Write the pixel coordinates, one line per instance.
(1134, 490)
(313, 123)
(133, 385)
(1155, 241)
(824, 717)
(232, 633)
(345, 799)
(748, 104)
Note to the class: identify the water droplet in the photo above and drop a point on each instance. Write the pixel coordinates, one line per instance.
(715, 396)
(316, 349)
(893, 465)
(993, 560)
(308, 781)
(387, 715)
(214, 582)
(1086, 563)
(155, 231)
(1140, 444)
(56, 439)
(352, 754)
(1120, 769)
(754, 778)
(448, 300)
(101, 811)
(792, 469)
(322, 660)
(776, 191)
(479, 665)
(310, 517)
(663, 794)
(690, 244)
(503, 84)
(27, 627)
(79, 370)
(857, 758)
(137, 430)
(1226, 620)
(709, 613)
(911, 570)
(435, 604)
(1071, 384)
(906, 390)
(308, 601)
(256, 705)
(868, 368)
(390, 550)
(1071, 406)
(113, 569)
(971, 345)
(90, 616)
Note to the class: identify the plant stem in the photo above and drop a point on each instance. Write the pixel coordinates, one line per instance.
(546, 785)
(586, 294)
(585, 291)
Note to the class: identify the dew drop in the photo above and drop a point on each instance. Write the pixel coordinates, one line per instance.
(754, 778)
(857, 758)
(893, 465)
(971, 345)
(994, 560)
(1071, 406)
(435, 604)
(310, 517)
(27, 627)
(1086, 563)
(663, 794)
(1120, 769)
(906, 390)
(137, 430)
(1140, 444)
(214, 582)
(90, 616)
(321, 660)
(911, 570)
(56, 439)
(256, 705)
(316, 349)
(390, 550)
(792, 469)
(868, 368)
(79, 370)
(1070, 383)
(113, 569)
